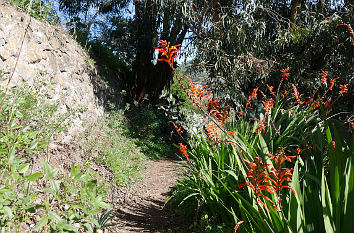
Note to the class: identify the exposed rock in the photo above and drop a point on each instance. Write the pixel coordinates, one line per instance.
(50, 52)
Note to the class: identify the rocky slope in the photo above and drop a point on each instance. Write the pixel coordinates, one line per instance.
(48, 53)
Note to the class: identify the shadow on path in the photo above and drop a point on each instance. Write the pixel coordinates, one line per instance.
(145, 209)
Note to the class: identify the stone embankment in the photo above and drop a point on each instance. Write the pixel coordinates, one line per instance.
(49, 53)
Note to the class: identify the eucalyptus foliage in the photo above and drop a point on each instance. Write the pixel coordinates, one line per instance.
(244, 43)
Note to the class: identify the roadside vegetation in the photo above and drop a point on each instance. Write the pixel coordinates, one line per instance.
(34, 195)
(266, 136)
(280, 164)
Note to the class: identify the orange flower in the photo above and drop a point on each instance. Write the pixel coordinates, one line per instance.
(268, 105)
(298, 150)
(285, 73)
(212, 130)
(270, 88)
(280, 157)
(332, 81)
(178, 129)
(253, 94)
(232, 134)
(324, 76)
(168, 53)
(183, 150)
(286, 92)
(213, 104)
(343, 89)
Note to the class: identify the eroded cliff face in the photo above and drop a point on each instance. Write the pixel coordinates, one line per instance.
(51, 54)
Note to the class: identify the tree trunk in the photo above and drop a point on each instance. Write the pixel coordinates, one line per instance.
(148, 79)
(295, 8)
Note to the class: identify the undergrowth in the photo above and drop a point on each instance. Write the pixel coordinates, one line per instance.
(38, 9)
(283, 163)
(109, 144)
(150, 128)
(35, 196)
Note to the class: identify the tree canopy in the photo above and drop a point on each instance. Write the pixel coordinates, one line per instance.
(240, 44)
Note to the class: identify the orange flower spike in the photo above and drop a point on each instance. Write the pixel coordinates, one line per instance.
(351, 32)
(253, 94)
(212, 130)
(280, 158)
(296, 94)
(324, 76)
(198, 93)
(332, 81)
(343, 89)
(270, 88)
(285, 73)
(183, 150)
(168, 53)
(268, 105)
(213, 104)
(178, 129)
(258, 180)
(219, 112)
(279, 174)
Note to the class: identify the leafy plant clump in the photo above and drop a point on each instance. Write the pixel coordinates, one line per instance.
(38, 9)
(149, 127)
(110, 146)
(35, 196)
(273, 166)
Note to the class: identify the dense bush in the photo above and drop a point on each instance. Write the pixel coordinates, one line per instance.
(248, 42)
(279, 165)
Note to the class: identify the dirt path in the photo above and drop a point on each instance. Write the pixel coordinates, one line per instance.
(141, 208)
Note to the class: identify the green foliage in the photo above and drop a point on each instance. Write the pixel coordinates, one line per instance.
(322, 176)
(150, 128)
(38, 9)
(115, 149)
(105, 56)
(252, 40)
(180, 95)
(62, 203)
(325, 188)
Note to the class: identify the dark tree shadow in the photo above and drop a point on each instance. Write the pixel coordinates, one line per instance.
(149, 215)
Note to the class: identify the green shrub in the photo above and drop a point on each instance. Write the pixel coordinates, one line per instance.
(38, 9)
(114, 149)
(45, 199)
(274, 168)
(150, 128)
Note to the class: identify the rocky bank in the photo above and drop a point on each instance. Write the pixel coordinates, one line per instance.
(48, 51)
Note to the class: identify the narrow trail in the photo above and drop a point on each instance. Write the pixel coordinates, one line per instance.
(141, 208)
